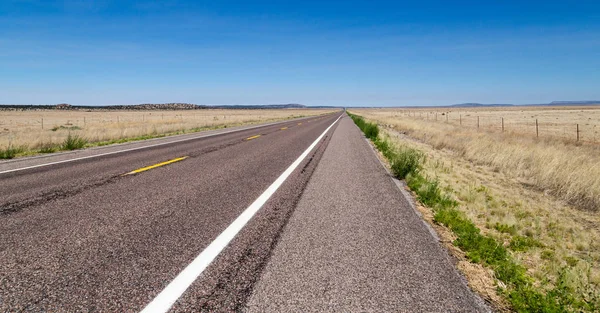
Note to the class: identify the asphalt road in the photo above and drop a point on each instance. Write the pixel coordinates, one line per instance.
(90, 235)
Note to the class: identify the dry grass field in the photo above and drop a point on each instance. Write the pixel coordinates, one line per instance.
(539, 196)
(34, 130)
(552, 122)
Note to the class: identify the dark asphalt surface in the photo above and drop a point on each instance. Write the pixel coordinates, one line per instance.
(337, 236)
(79, 237)
(354, 244)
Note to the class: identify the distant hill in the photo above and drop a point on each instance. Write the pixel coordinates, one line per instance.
(147, 107)
(553, 103)
(588, 102)
(263, 106)
(469, 105)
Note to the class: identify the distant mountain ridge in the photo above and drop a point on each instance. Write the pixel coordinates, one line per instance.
(587, 102)
(468, 105)
(148, 106)
(553, 103)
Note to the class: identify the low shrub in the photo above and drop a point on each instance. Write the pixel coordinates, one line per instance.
(47, 148)
(10, 152)
(406, 161)
(74, 142)
(521, 243)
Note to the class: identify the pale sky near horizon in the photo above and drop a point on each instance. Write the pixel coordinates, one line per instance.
(379, 53)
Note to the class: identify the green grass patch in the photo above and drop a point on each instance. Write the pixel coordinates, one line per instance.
(406, 161)
(506, 229)
(10, 152)
(73, 142)
(428, 191)
(48, 148)
(522, 243)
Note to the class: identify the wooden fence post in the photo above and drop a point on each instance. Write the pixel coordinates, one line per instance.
(478, 122)
(577, 132)
(537, 129)
(42, 123)
(502, 124)
(460, 120)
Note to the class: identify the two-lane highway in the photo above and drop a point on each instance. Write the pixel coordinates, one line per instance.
(298, 216)
(82, 236)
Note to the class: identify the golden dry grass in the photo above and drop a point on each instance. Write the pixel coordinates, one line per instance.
(36, 129)
(565, 169)
(510, 186)
(553, 122)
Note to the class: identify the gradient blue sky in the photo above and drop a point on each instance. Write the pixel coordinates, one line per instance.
(381, 53)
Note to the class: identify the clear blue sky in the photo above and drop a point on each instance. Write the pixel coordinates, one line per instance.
(379, 53)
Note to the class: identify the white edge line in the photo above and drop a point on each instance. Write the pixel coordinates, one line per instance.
(139, 148)
(166, 298)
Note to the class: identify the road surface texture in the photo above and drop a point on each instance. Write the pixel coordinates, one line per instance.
(354, 244)
(94, 235)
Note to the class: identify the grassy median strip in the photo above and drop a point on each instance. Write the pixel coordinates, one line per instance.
(516, 285)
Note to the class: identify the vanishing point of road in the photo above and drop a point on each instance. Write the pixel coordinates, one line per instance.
(294, 216)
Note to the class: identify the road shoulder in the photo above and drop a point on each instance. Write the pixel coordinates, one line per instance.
(355, 244)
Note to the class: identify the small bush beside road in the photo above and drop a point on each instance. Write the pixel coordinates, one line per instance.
(10, 152)
(74, 142)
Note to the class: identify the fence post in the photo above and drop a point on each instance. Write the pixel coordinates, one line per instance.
(478, 122)
(502, 124)
(537, 129)
(577, 132)
(42, 123)
(84, 123)
(447, 117)
(460, 120)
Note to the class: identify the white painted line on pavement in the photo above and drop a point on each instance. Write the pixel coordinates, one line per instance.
(137, 148)
(166, 298)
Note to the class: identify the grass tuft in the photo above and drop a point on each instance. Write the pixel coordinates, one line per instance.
(74, 142)
(521, 243)
(10, 152)
(406, 161)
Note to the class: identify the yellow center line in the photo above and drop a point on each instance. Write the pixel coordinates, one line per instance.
(283, 128)
(253, 137)
(143, 169)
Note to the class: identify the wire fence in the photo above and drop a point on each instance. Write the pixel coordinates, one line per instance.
(549, 127)
(48, 122)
